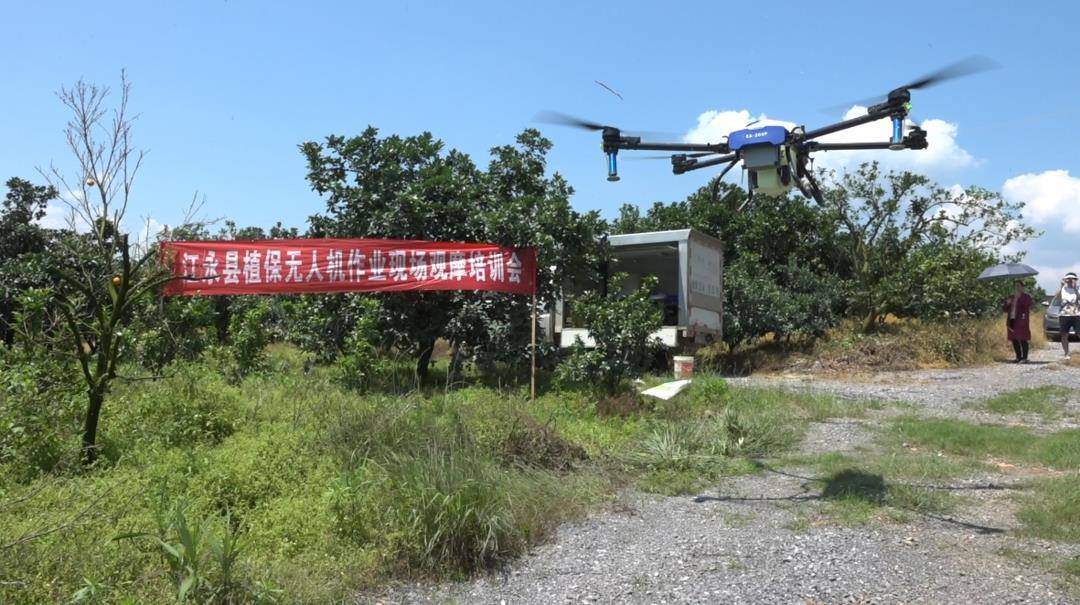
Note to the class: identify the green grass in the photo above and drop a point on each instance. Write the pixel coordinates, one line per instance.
(855, 496)
(1047, 401)
(325, 492)
(1050, 507)
(713, 432)
(898, 464)
(867, 487)
(1060, 450)
(1051, 510)
(1072, 567)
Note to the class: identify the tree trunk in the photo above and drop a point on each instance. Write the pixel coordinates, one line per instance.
(422, 363)
(89, 438)
(455, 361)
(870, 322)
(221, 319)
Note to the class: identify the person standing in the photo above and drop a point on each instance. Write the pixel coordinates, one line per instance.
(1017, 324)
(1069, 317)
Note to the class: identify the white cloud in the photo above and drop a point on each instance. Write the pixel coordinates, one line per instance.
(943, 156)
(714, 126)
(57, 215)
(1049, 277)
(1050, 197)
(149, 230)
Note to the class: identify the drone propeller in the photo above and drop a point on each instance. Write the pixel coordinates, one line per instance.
(562, 119)
(965, 67)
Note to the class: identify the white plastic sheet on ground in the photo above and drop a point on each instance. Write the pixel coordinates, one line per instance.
(667, 390)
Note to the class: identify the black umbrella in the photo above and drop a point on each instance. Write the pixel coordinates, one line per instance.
(1007, 271)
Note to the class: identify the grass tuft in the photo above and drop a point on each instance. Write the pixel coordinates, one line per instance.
(857, 497)
(1047, 401)
(1060, 450)
(1052, 509)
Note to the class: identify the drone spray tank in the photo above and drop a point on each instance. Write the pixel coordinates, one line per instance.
(766, 158)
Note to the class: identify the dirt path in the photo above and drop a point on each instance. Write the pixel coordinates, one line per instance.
(767, 538)
(947, 393)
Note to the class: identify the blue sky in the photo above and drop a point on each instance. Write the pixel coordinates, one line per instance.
(228, 89)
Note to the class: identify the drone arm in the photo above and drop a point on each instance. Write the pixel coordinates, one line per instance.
(815, 146)
(635, 144)
(688, 164)
(916, 139)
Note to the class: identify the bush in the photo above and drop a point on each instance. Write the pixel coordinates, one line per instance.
(171, 328)
(192, 405)
(794, 302)
(248, 471)
(40, 411)
(250, 334)
(360, 367)
(621, 325)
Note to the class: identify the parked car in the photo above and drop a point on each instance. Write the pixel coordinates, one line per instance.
(1051, 326)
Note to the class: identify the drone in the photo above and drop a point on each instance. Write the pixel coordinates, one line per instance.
(777, 158)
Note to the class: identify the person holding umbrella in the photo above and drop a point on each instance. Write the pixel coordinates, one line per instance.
(1070, 310)
(1017, 306)
(1017, 324)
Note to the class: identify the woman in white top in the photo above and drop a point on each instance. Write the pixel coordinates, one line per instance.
(1069, 317)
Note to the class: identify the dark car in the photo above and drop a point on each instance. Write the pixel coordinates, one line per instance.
(1051, 326)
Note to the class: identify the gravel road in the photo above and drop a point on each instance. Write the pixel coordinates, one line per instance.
(764, 538)
(947, 393)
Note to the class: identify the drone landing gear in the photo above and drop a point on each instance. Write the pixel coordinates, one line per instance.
(720, 177)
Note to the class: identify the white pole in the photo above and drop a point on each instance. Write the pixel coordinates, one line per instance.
(533, 361)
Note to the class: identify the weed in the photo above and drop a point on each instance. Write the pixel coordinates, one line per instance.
(800, 524)
(1058, 450)
(916, 466)
(1047, 401)
(192, 405)
(444, 511)
(958, 437)
(1052, 509)
(202, 558)
(856, 497)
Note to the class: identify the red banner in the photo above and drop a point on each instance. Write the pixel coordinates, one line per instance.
(345, 265)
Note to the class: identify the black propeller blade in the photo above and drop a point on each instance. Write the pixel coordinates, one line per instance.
(562, 119)
(965, 67)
